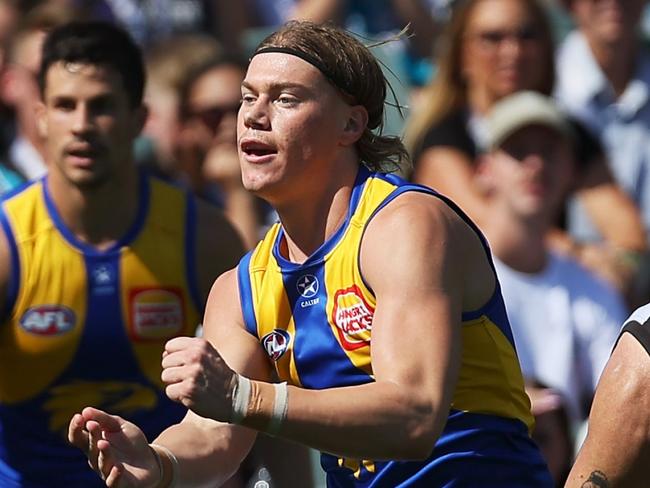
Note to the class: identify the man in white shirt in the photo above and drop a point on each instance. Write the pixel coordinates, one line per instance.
(603, 79)
(564, 320)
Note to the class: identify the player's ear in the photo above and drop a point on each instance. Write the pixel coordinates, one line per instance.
(355, 124)
(41, 120)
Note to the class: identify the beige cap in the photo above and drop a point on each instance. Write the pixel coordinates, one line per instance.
(520, 110)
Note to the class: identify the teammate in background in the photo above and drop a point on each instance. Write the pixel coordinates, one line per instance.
(615, 452)
(359, 257)
(100, 265)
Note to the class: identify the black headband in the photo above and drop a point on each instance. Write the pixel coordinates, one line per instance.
(336, 81)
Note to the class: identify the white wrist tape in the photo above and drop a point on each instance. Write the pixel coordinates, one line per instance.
(280, 406)
(241, 395)
(172, 459)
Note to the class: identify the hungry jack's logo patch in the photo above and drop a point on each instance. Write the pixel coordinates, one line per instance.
(352, 316)
(156, 313)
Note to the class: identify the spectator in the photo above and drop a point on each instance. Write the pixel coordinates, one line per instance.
(603, 70)
(564, 320)
(20, 87)
(169, 63)
(210, 101)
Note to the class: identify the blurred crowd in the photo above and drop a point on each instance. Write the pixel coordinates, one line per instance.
(533, 116)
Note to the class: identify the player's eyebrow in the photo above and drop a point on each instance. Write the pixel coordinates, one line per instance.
(279, 85)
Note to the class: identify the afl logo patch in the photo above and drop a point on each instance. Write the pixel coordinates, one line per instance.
(276, 343)
(48, 320)
(307, 286)
(352, 315)
(156, 313)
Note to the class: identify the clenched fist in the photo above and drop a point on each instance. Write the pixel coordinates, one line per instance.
(197, 377)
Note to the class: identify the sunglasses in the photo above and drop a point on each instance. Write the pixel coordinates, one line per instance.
(211, 117)
(496, 37)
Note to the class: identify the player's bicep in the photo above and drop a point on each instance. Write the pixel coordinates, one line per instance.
(408, 261)
(223, 326)
(617, 445)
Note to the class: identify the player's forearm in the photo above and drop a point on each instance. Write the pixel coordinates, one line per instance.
(378, 420)
(208, 453)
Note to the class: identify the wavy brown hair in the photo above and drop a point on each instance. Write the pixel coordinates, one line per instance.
(448, 90)
(355, 72)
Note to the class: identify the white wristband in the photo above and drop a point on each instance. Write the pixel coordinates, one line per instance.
(280, 406)
(241, 395)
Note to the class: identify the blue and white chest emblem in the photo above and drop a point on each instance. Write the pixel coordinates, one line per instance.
(103, 279)
(307, 286)
(276, 343)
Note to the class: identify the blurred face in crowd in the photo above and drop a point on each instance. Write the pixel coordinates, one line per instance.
(502, 49)
(530, 172)
(213, 102)
(607, 21)
(89, 124)
(19, 85)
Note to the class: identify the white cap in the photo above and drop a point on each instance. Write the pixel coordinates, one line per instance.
(522, 109)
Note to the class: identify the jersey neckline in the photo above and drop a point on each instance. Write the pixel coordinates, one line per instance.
(319, 255)
(128, 237)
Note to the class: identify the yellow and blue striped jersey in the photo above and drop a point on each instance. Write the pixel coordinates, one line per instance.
(87, 327)
(314, 320)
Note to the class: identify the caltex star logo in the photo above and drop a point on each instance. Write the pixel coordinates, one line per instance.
(307, 286)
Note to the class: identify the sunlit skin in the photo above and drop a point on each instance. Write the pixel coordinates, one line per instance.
(275, 106)
(90, 126)
(496, 60)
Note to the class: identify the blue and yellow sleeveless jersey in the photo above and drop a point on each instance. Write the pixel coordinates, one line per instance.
(314, 320)
(84, 327)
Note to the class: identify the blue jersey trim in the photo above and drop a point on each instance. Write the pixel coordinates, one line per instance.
(15, 191)
(190, 251)
(319, 255)
(14, 276)
(141, 215)
(246, 294)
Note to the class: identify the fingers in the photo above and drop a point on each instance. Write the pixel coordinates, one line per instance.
(108, 468)
(92, 450)
(108, 422)
(181, 343)
(77, 435)
(114, 477)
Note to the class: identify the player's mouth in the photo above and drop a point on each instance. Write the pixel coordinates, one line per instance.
(256, 152)
(82, 154)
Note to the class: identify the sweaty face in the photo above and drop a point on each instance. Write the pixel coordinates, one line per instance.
(88, 123)
(289, 127)
(502, 49)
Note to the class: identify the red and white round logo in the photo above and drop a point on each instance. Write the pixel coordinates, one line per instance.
(276, 343)
(48, 320)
